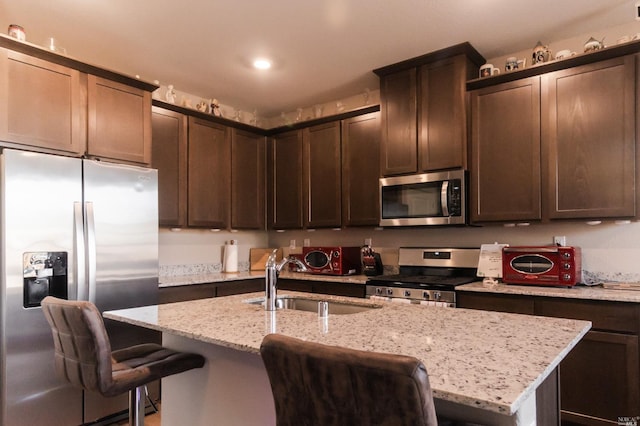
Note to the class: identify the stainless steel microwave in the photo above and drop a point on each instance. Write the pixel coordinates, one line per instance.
(437, 198)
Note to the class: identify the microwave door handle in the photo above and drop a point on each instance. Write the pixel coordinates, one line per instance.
(444, 199)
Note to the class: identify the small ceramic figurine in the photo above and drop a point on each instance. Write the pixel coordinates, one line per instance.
(592, 44)
(170, 96)
(215, 108)
(202, 106)
(541, 53)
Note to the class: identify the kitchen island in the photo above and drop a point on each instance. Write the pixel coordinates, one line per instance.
(483, 366)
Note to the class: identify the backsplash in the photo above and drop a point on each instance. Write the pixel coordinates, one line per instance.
(197, 269)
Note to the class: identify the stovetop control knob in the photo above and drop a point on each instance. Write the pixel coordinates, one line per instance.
(378, 291)
(437, 295)
(407, 293)
(425, 295)
(389, 292)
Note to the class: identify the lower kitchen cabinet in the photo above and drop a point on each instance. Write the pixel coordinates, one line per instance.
(229, 288)
(186, 292)
(600, 378)
(323, 287)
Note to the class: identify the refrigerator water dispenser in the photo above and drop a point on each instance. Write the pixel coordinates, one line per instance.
(44, 274)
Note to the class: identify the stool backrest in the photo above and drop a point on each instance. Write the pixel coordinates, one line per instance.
(315, 384)
(82, 348)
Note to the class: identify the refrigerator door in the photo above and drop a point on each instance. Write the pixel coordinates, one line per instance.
(121, 205)
(38, 193)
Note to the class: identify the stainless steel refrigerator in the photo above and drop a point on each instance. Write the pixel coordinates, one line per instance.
(77, 229)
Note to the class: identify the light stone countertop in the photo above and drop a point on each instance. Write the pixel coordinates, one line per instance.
(577, 292)
(488, 360)
(216, 277)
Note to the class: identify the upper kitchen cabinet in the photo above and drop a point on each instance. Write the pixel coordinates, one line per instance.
(169, 156)
(589, 140)
(119, 121)
(284, 210)
(505, 152)
(557, 143)
(43, 103)
(322, 176)
(55, 103)
(423, 111)
(248, 176)
(209, 174)
(360, 156)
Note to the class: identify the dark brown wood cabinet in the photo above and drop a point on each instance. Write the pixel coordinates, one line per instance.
(600, 377)
(398, 145)
(424, 111)
(505, 152)
(560, 145)
(284, 210)
(209, 174)
(169, 156)
(119, 121)
(43, 104)
(248, 176)
(360, 156)
(589, 140)
(322, 176)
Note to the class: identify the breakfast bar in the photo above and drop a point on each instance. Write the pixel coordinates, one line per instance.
(488, 367)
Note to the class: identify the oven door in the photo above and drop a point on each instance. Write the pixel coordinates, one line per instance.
(424, 199)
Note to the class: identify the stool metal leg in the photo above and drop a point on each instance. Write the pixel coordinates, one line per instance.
(136, 406)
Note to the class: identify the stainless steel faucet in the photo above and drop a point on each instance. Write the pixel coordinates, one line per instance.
(272, 271)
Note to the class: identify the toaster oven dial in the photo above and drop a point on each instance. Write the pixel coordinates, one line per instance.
(566, 255)
(336, 254)
(566, 266)
(566, 277)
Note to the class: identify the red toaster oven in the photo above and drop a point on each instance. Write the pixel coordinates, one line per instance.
(332, 260)
(542, 265)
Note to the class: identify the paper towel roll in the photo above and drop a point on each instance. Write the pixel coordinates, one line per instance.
(230, 260)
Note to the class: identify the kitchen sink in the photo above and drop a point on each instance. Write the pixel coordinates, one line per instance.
(311, 305)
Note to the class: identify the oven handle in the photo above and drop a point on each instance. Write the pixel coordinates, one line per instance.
(444, 199)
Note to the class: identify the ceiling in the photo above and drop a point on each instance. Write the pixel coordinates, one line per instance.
(323, 50)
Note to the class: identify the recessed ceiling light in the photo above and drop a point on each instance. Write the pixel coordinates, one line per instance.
(262, 64)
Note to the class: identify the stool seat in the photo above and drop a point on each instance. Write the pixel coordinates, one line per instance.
(83, 355)
(321, 385)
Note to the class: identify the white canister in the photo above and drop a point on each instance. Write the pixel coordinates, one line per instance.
(230, 259)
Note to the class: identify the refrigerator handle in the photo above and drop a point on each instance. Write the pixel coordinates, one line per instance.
(91, 252)
(80, 252)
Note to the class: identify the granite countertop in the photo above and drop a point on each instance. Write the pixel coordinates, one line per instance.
(487, 360)
(216, 277)
(578, 292)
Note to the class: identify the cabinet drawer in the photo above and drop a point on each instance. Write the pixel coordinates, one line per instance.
(495, 302)
(614, 316)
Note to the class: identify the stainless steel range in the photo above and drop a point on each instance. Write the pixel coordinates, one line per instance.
(427, 276)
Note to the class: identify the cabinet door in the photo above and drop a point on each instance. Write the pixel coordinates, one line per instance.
(505, 152)
(169, 156)
(398, 147)
(600, 379)
(247, 180)
(119, 121)
(322, 176)
(442, 121)
(42, 104)
(209, 173)
(589, 137)
(360, 176)
(285, 181)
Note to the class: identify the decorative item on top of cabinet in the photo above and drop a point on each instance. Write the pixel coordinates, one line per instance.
(360, 156)
(169, 156)
(119, 121)
(209, 173)
(322, 176)
(59, 123)
(505, 152)
(248, 175)
(284, 210)
(424, 111)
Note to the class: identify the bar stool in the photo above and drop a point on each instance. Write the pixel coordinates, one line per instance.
(320, 385)
(83, 356)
